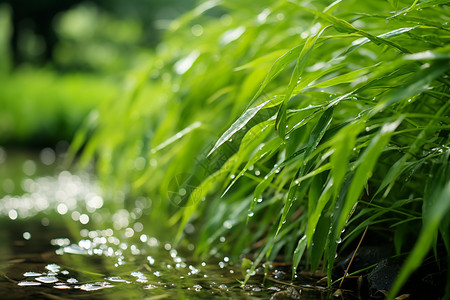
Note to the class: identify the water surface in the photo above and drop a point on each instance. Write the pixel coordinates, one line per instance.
(62, 239)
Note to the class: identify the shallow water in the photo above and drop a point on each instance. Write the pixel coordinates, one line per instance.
(61, 239)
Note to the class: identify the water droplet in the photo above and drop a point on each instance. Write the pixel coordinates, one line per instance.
(151, 260)
(250, 213)
(142, 279)
(150, 287)
(72, 280)
(47, 279)
(31, 274)
(90, 287)
(197, 287)
(62, 287)
(28, 283)
(116, 279)
(74, 249)
(157, 273)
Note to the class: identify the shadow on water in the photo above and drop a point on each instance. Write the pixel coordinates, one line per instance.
(60, 240)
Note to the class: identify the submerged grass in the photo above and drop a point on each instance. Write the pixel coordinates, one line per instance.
(334, 117)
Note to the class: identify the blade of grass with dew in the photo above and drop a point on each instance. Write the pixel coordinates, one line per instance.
(254, 137)
(314, 139)
(280, 124)
(238, 124)
(297, 256)
(278, 66)
(264, 150)
(366, 163)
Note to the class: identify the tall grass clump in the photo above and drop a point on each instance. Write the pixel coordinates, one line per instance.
(289, 127)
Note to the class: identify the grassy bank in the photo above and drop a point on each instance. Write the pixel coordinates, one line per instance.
(289, 127)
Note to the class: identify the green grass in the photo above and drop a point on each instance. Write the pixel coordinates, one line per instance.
(40, 106)
(300, 123)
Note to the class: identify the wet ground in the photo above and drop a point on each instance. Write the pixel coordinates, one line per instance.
(61, 239)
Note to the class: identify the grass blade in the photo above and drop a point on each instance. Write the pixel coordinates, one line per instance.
(238, 124)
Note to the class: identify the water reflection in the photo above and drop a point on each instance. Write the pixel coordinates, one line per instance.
(111, 253)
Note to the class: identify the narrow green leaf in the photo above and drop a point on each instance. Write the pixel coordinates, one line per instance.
(419, 82)
(251, 140)
(262, 60)
(316, 214)
(280, 124)
(346, 27)
(393, 3)
(319, 242)
(343, 144)
(366, 164)
(314, 139)
(347, 77)
(362, 41)
(318, 131)
(439, 210)
(289, 201)
(298, 253)
(276, 68)
(176, 137)
(238, 124)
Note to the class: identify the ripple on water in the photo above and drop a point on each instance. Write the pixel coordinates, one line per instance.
(47, 279)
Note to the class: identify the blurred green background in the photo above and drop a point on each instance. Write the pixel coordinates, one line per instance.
(60, 59)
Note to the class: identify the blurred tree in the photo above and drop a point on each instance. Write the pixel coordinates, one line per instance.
(33, 36)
